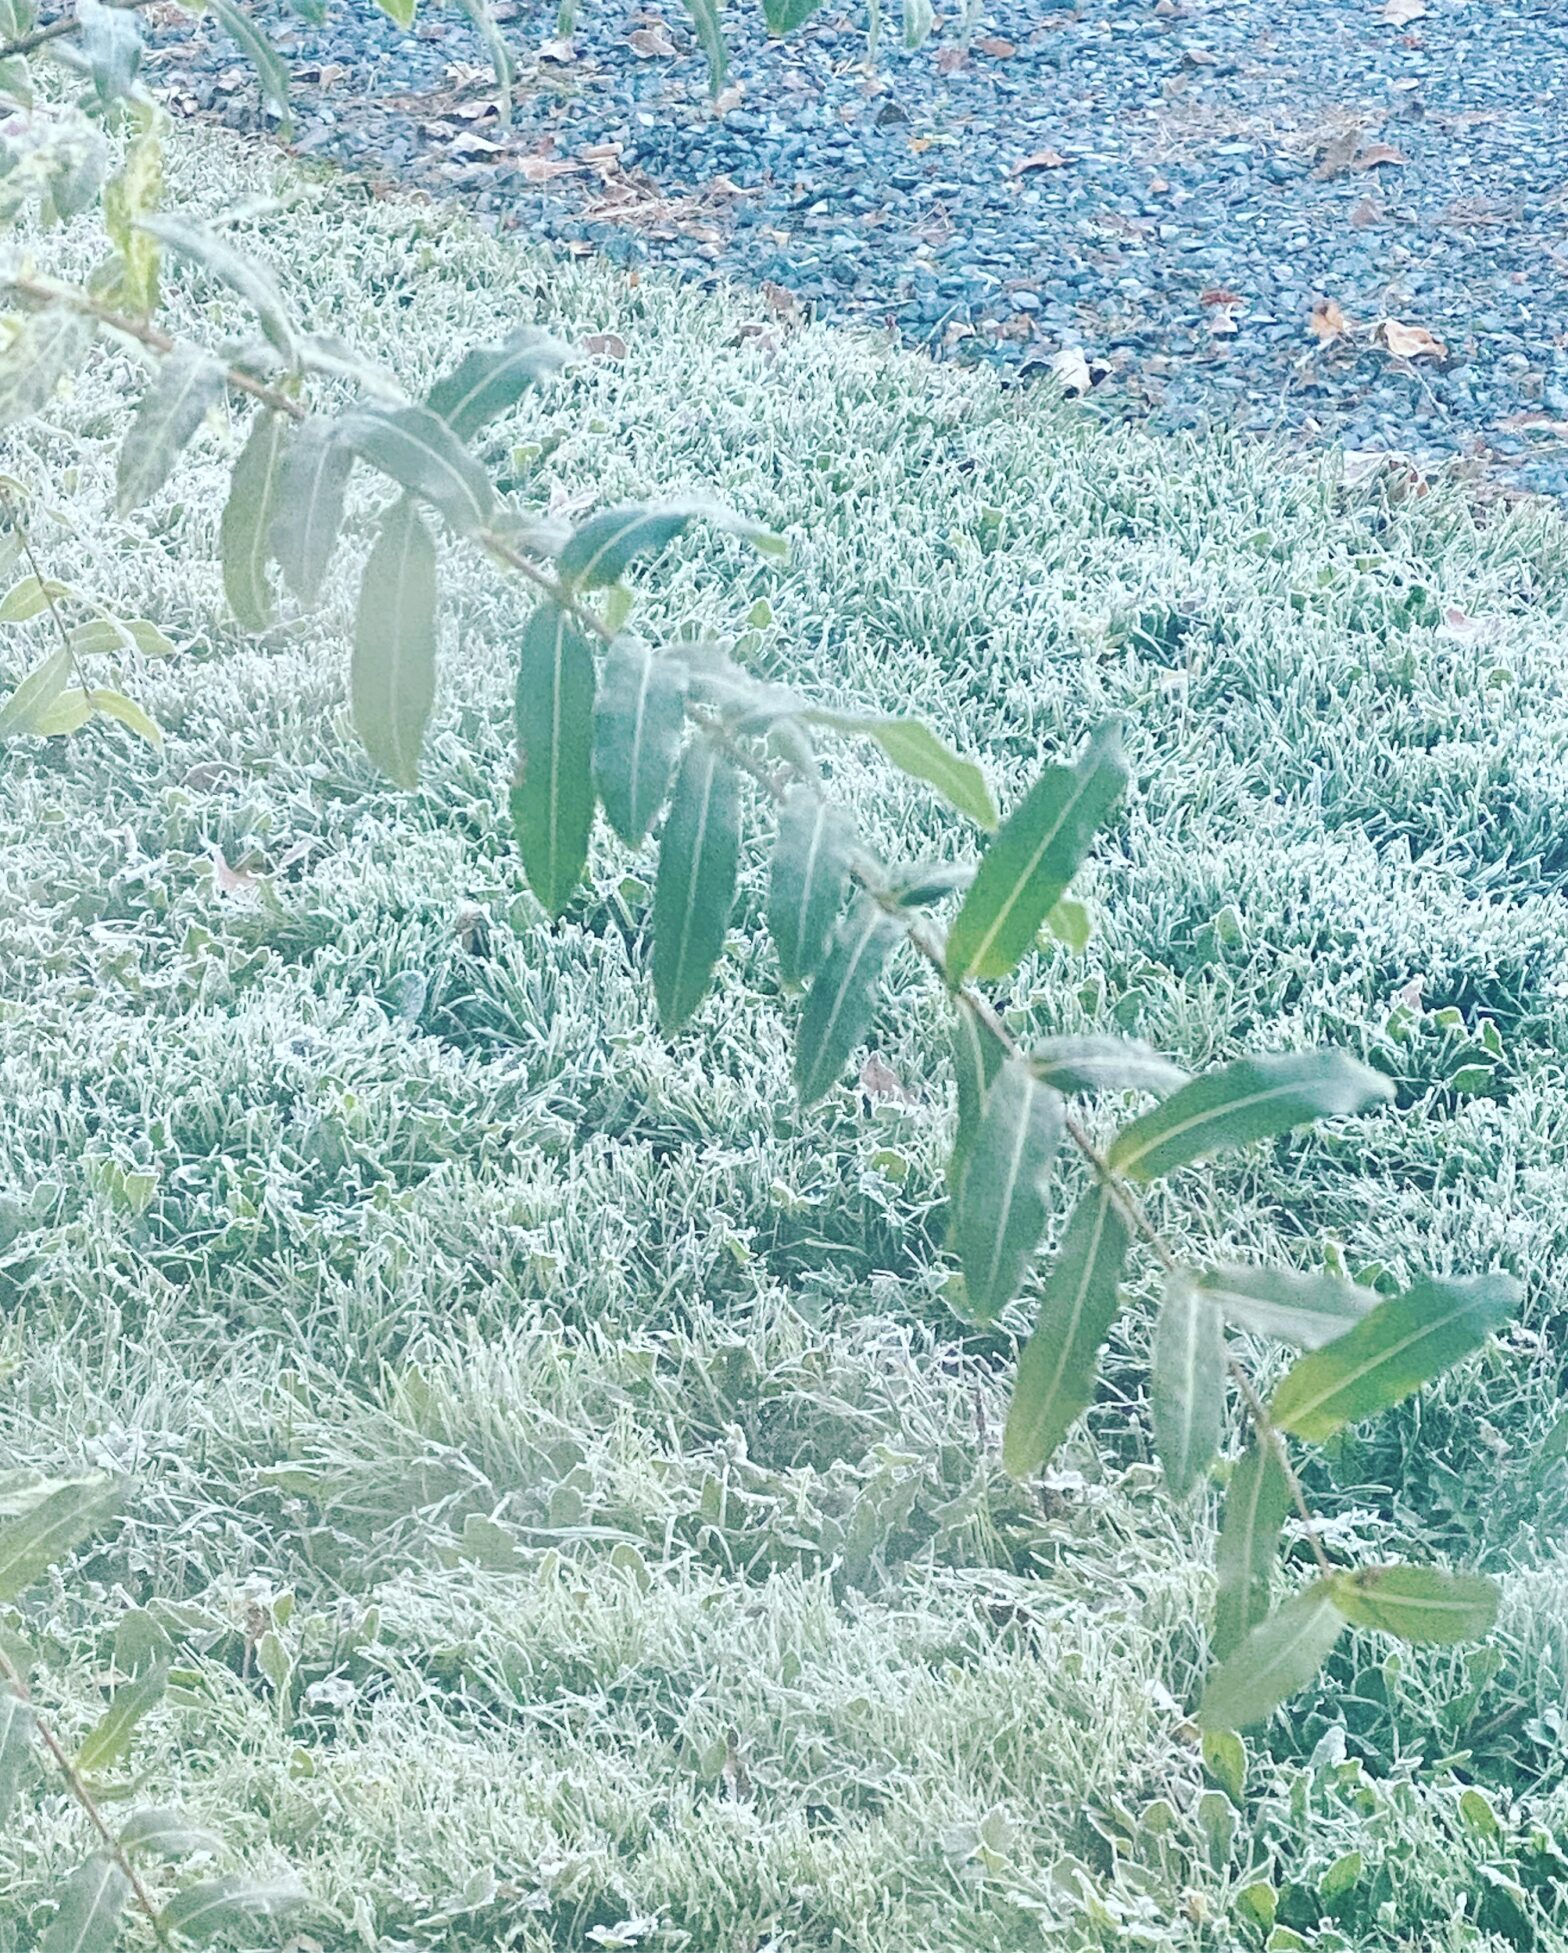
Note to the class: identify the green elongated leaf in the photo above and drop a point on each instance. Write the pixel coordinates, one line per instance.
(66, 712)
(70, 710)
(401, 11)
(637, 734)
(1000, 1213)
(58, 1514)
(41, 351)
(488, 30)
(1071, 923)
(1420, 1604)
(1304, 1310)
(784, 16)
(36, 693)
(599, 552)
(977, 1057)
(309, 507)
(167, 416)
(1278, 1657)
(256, 286)
(111, 40)
(1257, 1501)
(30, 597)
(710, 33)
(109, 1741)
(16, 1746)
(843, 999)
(552, 802)
(262, 56)
(1057, 1370)
(695, 885)
(418, 451)
(1255, 1098)
(918, 22)
(233, 1903)
(1187, 1383)
(244, 534)
(165, 1834)
(914, 749)
(1402, 1344)
(1034, 856)
(1103, 1065)
(810, 878)
(745, 702)
(492, 378)
(392, 677)
(91, 1901)
(100, 636)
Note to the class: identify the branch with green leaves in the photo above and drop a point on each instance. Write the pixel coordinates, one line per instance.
(683, 741)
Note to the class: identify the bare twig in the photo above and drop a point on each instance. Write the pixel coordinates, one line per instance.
(64, 24)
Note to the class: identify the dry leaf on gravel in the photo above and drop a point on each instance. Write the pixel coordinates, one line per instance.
(1219, 295)
(1327, 322)
(650, 43)
(1375, 155)
(1410, 341)
(950, 60)
(728, 99)
(1071, 369)
(540, 169)
(1042, 159)
(996, 47)
(1364, 213)
(1400, 13)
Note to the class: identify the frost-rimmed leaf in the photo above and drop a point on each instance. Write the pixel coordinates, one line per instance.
(16, 1746)
(599, 552)
(1000, 1212)
(843, 998)
(1187, 1383)
(111, 40)
(167, 416)
(488, 380)
(742, 699)
(1420, 1604)
(55, 1515)
(694, 888)
(1278, 1657)
(258, 50)
(1104, 1065)
(1254, 1098)
(416, 449)
(911, 746)
(91, 1901)
(36, 693)
(1257, 1501)
(1305, 1310)
(977, 1057)
(552, 802)
(230, 1903)
(41, 351)
(638, 721)
(1057, 1370)
(256, 286)
(809, 880)
(1033, 857)
(245, 532)
(1402, 1344)
(309, 504)
(110, 1738)
(393, 672)
(165, 1834)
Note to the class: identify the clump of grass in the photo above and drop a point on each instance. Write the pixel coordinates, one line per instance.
(588, 1422)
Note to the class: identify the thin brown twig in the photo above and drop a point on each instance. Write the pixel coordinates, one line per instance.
(78, 1789)
(963, 994)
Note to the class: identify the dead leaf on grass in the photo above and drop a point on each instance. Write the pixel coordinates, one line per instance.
(605, 345)
(230, 881)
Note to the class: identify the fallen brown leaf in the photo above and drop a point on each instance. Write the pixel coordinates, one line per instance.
(880, 1081)
(1327, 322)
(1222, 321)
(728, 99)
(949, 60)
(1158, 185)
(1042, 159)
(996, 47)
(779, 299)
(650, 43)
(560, 51)
(1410, 342)
(540, 169)
(605, 345)
(1219, 295)
(230, 881)
(1365, 212)
(1071, 369)
(1375, 155)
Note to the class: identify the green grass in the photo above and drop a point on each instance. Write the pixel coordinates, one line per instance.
(636, 1492)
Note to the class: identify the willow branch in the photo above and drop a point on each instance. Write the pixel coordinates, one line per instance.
(63, 24)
